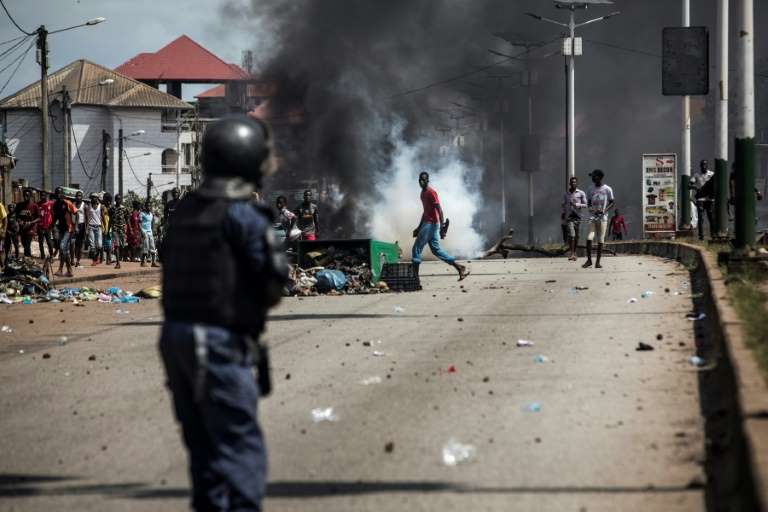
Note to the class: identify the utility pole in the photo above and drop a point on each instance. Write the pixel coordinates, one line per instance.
(721, 124)
(530, 135)
(42, 59)
(67, 135)
(685, 194)
(149, 186)
(503, 175)
(104, 159)
(744, 150)
(120, 162)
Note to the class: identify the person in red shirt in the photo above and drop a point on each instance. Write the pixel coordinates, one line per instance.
(28, 215)
(618, 226)
(432, 223)
(45, 226)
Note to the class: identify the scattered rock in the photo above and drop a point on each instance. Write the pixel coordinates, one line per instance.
(31, 321)
(92, 357)
(389, 447)
(659, 337)
(486, 379)
(643, 347)
(287, 376)
(46, 356)
(460, 319)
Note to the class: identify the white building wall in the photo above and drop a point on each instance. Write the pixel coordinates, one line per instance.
(142, 153)
(88, 122)
(137, 165)
(22, 129)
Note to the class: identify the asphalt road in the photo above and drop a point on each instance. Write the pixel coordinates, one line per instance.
(617, 429)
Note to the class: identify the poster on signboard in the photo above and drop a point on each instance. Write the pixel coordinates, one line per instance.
(659, 195)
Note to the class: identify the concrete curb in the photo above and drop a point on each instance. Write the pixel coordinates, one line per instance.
(749, 386)
(60, 281)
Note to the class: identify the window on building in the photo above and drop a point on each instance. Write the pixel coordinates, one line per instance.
(168, 120)
(168, 160)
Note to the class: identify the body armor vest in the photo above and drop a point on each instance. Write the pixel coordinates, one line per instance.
(204, 279)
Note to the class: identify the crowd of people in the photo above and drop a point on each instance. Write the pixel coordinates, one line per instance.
(103, 228)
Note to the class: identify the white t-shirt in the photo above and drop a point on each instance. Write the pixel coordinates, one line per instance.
(94, 216)
(598, 199)
(80, 210)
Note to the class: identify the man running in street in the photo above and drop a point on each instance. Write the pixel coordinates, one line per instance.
(573, 201)
(600, 199)
(432, 223)
(308, 221)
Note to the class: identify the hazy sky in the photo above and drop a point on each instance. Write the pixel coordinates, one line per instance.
(132, 26)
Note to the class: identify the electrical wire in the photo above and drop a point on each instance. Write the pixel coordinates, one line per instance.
(20, 61)
(643, 52)
(3, 43)
(143, 184)
(15, 47)
(13, 20)
(470, 73)
(77, 150)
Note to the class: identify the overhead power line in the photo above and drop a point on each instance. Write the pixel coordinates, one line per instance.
(470, 73)
(13, 20)
(20, 60)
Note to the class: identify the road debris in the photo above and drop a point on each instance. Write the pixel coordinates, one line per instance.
(532, 407)
(646, 294)
(540, 359)
(321, 414)
(643, 347)
(697, 361)
(6, 329)
(693, 317)
(371, 380)
(399, 309)
(455, 452)
(389, 447)
(377, 353)
(524, 343)
(632, 300)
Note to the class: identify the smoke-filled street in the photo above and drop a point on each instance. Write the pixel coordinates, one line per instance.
(594, 425)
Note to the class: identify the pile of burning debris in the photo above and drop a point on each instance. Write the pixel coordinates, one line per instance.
(334, 271)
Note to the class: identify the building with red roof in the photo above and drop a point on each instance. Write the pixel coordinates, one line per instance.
(183, 61)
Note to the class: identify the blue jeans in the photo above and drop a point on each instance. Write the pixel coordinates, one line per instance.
(94, 238)
(64, 238)
(429, 234)
(214, 397)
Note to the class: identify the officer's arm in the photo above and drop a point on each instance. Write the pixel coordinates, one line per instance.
(251, 235)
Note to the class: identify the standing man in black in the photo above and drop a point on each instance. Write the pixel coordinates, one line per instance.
(215, 309)
(171, 206)
(308, 221)
(704, 186)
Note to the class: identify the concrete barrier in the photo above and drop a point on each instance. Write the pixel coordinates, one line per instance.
(733, 392)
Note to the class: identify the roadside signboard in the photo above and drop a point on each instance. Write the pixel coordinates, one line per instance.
(659, 195)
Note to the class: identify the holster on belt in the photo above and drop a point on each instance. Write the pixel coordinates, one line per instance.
(261, 361)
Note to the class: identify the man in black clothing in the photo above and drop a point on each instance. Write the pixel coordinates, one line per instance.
(704, 185)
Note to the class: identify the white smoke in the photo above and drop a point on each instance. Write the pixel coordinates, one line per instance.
(397, 209)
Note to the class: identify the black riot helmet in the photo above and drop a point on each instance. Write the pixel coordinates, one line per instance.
(238, 146)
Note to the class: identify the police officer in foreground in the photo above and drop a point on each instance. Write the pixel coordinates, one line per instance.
(220, 276)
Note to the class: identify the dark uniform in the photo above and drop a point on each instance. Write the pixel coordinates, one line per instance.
(220, 276)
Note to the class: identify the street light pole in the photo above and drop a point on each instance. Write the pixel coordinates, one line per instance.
(744, 150)
(571, 68)
(685, 207)
(572, 100)
(721, 124)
